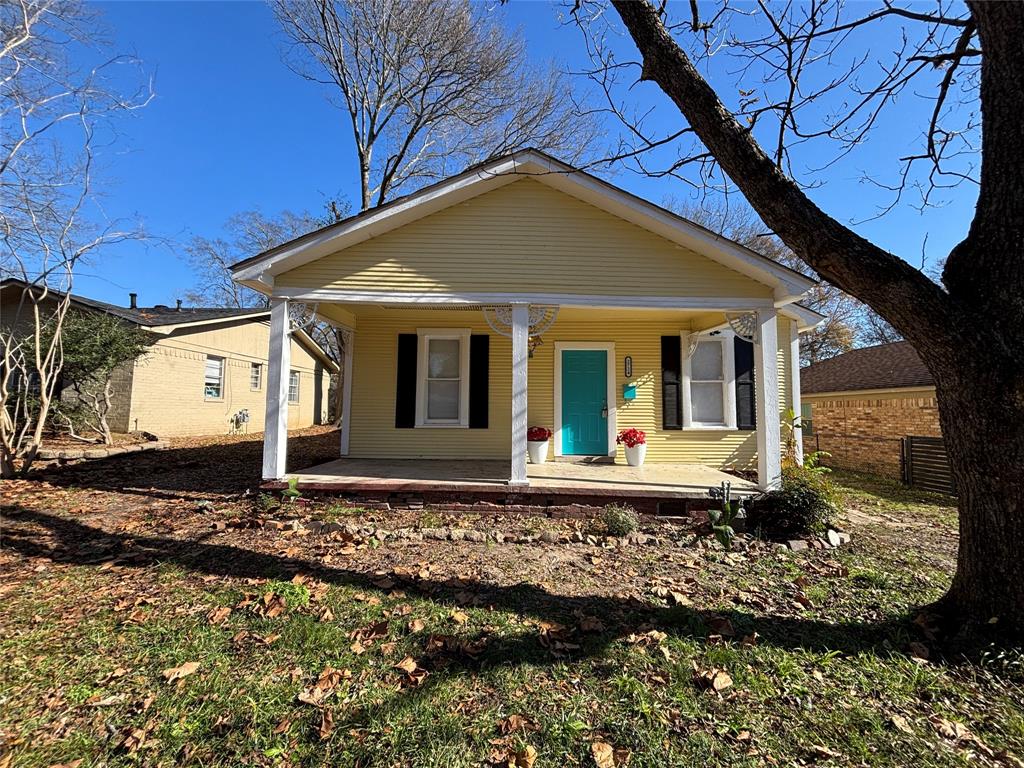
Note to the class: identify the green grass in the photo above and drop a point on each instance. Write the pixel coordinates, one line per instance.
(823, 684)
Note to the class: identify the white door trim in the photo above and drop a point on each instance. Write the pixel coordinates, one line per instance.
(599, 346)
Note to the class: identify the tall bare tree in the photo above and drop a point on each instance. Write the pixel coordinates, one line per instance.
(245, 234)
(846, 319)
(428, 87)
(50, 111)
(970, 329)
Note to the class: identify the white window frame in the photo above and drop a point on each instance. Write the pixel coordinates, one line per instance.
(298, 386)
(425, 336)
(258, 369)
(220, 386)
(725, 338)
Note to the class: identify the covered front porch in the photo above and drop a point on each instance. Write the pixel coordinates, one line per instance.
(557, 478)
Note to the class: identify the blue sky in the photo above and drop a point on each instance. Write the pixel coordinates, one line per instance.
(231, 128)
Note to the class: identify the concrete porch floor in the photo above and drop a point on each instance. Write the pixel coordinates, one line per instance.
(559, 478)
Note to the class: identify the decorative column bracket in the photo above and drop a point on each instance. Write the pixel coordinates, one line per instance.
(743, 324)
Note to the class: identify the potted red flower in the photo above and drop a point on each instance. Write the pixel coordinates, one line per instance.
(635, 442)
(537, 444)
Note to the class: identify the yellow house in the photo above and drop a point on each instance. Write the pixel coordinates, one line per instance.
(524, 292)
(205, 372)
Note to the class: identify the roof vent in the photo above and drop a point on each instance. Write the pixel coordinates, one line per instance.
(160, 306)
(179, 305)
(133, 300)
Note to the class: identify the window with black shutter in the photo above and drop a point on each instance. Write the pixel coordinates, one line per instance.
(671, 383)
(743, 353)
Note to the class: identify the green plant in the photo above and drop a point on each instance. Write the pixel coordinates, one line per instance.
(292, 492)
(723, 520)
(265, 502)
(619, 519)
(806, 503)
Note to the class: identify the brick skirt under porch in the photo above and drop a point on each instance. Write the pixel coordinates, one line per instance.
(668, 489)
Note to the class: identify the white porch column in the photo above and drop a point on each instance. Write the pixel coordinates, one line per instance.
(769, 426)
(275, 430)
(520, 357)
(794, 387)
(349, 340)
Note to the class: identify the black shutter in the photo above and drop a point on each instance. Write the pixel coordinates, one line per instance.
(479, 379)
(405, 385)
(746, 390)
(671, 383)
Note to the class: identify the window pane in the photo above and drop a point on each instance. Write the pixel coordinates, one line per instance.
(443, 359)
(293, 386)
(443, 400)
(213, 376)
(707, 361)
(707, 403)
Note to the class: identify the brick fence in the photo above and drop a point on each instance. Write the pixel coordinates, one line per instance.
(863, 431)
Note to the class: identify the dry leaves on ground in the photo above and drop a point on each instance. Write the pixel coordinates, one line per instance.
(173, 674)
(607, 756)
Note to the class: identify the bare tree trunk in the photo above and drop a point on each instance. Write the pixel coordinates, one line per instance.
(971, 338)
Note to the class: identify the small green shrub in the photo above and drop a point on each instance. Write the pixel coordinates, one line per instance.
(806, 503)
(619, 519)
(265, 502)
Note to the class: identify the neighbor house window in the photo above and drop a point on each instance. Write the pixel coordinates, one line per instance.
(293, 386)
(214, 378)
(443, 378)
(806, 420)
(255, 376)
(709, 383)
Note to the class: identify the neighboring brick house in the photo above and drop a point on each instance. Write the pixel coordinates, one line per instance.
(204, 368)
(859, 404)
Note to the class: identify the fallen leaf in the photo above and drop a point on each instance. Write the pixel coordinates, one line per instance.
(176, 673)
(459, 617)
(326, 723)
(407, 665)
(218, 615)
(713, 679)
(417, 625)
(514, 723)
(522, 758)
(901, 723)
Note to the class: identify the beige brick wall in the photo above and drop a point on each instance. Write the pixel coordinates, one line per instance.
(168, 390)
(862, 431)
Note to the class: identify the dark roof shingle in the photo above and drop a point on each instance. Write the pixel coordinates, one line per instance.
(887, 366)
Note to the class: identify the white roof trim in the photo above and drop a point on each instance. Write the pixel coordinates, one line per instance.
(259, 273)
(806, 319)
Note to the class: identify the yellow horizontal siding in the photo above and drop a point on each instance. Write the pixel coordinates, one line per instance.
(523, 237)
(635, 333)
(373, 433)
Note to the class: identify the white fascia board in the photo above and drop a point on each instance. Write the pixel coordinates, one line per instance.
(709, 303)
(806, 319)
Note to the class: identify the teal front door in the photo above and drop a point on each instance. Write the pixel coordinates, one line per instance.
(584, 402)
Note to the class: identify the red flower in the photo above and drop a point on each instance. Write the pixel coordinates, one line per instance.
(538, 434)
(632, 437)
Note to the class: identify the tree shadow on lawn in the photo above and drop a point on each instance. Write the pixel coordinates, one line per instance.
(68, 541)
(216, 469)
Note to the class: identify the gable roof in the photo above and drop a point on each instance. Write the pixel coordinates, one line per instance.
(258, 271)
(151, 317)
(886, 366)
(163, 319)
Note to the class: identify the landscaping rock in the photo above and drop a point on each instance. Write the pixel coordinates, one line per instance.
(833, 538)
(550, 537)
(314, 526)
(435, 533)
(331, 528)
(636, 538)
(477, 536)
(457, 534)
(797, 544)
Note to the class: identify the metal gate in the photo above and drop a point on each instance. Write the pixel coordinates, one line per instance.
(926, 465)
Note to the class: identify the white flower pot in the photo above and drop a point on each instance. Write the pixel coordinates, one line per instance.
(635, 455)
(538, 450)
